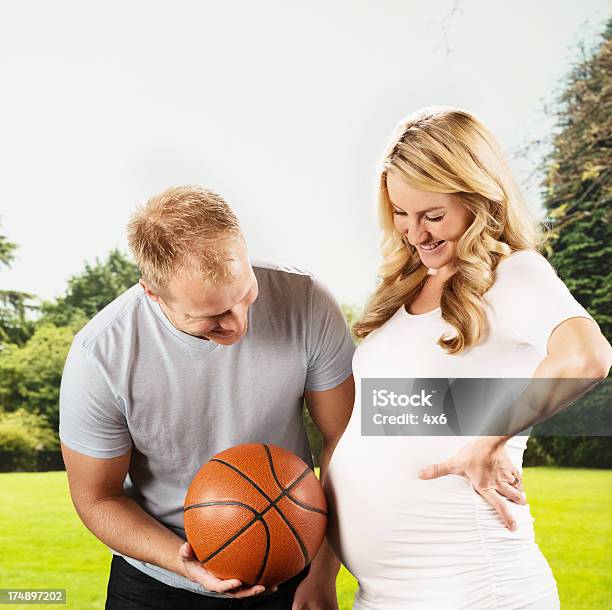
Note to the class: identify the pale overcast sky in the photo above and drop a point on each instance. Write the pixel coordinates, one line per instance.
(282, 107)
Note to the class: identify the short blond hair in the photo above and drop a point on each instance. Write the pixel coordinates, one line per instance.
(183, 226)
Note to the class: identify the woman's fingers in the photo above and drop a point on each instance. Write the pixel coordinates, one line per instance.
(497, 502)
(514, 479)
(433, 471)
(512, 493)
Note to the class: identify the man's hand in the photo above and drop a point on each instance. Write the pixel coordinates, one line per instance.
(318, 590)
(196, 573)
(487, 466)
(315, 593)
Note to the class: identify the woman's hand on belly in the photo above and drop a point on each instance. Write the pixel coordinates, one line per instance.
(485, 463)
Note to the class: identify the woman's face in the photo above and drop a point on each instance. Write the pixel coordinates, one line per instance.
(432, 222)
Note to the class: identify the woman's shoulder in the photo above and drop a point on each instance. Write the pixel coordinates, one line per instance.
(520, 271)
(523, 265)
(523, 258)
(528, 299)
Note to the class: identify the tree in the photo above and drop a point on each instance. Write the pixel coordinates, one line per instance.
(22, 435)
(352, 314)
(30, 375)
(577, 196)
(578, 183)
(15, 326)
(91, 290)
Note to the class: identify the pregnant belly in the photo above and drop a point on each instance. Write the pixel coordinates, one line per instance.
(385, 522)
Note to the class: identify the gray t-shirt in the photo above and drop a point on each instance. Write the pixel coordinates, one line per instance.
(132, 379)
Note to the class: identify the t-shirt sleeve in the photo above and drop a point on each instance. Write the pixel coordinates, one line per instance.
(329, 344)
(90, 419)
(529, 300)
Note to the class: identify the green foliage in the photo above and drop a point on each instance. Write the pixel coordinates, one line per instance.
(30, 375)
(15, 327)
(536, 454)
(40, 434)
(31, 364)
(7, 251)
(352, 314)
(579, 451)
(578, 183)
(578, 198)
(91, 290)
(22, 434)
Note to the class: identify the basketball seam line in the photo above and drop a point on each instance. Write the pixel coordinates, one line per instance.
(258, 517)
(272, 502)
(288, 495)
(265, 510)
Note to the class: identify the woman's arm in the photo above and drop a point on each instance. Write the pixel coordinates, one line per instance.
(579, 357)
(576, 348)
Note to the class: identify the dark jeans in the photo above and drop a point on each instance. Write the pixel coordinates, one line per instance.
(131, 589)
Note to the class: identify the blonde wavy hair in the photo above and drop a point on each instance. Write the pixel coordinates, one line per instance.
(444, 149)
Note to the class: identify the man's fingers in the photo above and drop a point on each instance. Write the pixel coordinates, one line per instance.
(255, 590)
(185, 551)
(512, 493)
(433, 471)
(274, 589)
(223, 586)
(496, 501)
(208, 580)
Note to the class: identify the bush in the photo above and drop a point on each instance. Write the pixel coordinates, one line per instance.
(30, 375)
(579, 451)
(536, 454)
(22, 436)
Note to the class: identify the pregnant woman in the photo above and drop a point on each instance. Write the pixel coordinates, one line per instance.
(440, 522)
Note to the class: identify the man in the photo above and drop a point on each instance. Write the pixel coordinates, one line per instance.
(208, 351)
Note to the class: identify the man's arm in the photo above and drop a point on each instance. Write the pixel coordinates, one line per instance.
(96, 487)
(330, 411)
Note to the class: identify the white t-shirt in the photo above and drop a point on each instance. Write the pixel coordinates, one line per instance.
(525, 304)
(422, 544)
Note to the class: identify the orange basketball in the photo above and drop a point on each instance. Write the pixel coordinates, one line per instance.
(255, 512)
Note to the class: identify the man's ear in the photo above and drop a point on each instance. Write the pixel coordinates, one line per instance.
(148, 292)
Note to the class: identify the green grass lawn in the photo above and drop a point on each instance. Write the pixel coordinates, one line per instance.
(44, 545)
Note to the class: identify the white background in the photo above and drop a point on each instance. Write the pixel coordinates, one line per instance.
(283, 107)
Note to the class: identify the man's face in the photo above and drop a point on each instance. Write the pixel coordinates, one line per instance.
(218, 313)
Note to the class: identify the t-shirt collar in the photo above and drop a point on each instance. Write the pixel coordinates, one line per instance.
(201, 344)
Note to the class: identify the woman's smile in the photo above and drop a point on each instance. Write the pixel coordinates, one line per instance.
(431, 247)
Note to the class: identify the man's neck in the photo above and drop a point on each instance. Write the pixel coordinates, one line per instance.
(166, 313)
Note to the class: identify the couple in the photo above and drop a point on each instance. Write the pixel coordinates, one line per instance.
(210, 350)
